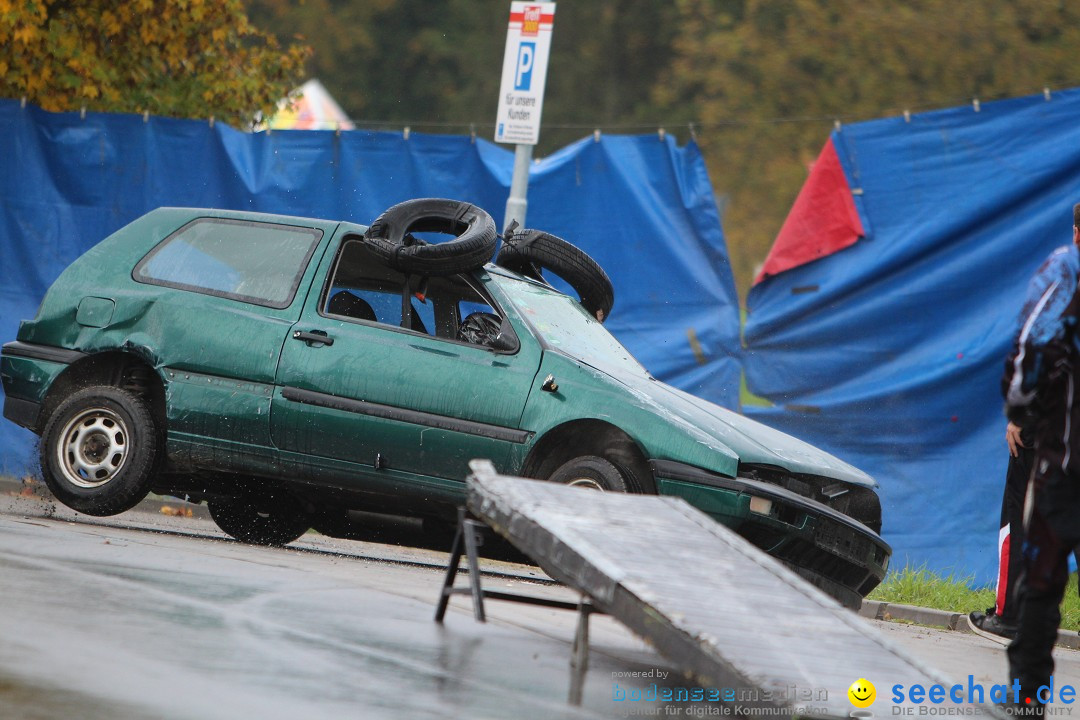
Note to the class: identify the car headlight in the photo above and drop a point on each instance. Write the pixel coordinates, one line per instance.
(760, 505)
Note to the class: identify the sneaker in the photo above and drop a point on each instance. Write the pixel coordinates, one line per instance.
(991, 626)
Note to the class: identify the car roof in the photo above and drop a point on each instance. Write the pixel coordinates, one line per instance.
(259, 216)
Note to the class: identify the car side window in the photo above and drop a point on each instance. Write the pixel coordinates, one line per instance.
(253, 262)
(362, 287)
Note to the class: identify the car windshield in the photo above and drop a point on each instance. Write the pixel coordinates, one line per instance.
(567, 327)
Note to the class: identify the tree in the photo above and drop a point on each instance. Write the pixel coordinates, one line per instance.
(180, 58)
(437, 66)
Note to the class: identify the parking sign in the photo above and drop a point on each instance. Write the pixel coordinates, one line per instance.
(521, 93)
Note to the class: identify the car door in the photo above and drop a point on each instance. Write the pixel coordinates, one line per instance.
(228, 292)
(374, 385)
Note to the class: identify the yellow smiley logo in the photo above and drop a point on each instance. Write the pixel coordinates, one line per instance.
(862, 693)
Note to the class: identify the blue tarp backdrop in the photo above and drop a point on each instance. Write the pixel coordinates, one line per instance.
(889, 353)
(644, 208)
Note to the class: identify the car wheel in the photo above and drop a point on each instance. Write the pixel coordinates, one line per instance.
(332, 522)
(526, 251)
(591, 472)
(99, 450)
(277, 522)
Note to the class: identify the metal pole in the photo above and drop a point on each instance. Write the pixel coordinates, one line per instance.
(517, 204)
(579, 653)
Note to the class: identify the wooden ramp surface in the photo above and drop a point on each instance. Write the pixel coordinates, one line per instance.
(724, 612)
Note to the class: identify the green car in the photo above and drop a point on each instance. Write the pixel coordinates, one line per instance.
(286, 371)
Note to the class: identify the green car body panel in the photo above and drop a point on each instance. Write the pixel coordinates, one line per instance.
(388, 417)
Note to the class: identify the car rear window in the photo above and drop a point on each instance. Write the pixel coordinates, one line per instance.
(253, 262)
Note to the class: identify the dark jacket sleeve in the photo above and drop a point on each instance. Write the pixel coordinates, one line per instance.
(1041, 322)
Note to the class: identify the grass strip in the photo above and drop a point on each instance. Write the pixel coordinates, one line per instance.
(921, 587)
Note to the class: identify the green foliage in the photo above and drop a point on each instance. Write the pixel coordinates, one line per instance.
(438, 65)
(182, 58)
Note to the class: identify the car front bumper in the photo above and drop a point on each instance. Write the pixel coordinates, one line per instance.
(833, 551)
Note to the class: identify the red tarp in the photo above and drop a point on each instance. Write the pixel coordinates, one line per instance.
(822, 221)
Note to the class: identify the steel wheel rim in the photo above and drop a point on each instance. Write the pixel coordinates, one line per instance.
(584, 482)
(94, 447)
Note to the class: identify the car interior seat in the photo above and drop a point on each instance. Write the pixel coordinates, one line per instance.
(349, 305)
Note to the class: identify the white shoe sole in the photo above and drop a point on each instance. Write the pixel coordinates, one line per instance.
(999, 639)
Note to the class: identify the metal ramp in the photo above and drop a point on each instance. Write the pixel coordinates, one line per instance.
(723, 612)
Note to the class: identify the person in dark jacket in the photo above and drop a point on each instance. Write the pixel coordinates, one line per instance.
(1040, 389)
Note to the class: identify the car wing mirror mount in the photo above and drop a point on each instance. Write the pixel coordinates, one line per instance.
(506, 341)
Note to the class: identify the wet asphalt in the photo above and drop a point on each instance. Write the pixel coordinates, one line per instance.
(150, 616)
(147, 615)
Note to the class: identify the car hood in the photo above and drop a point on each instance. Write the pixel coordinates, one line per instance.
(753, 442)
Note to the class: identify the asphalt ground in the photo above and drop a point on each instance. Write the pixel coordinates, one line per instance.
(155, 614)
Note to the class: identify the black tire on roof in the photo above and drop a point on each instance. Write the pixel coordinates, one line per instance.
(473, 245)
(528, 251)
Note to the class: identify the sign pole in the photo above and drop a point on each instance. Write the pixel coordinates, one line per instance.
(518, 202)
(521, 94)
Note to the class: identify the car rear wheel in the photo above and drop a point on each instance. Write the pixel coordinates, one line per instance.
(99, 450)
(332, 522)
(592, 472)
(272, 522)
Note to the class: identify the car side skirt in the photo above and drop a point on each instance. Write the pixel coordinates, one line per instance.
(416, 417)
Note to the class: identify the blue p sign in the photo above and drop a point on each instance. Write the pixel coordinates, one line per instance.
(525, 58)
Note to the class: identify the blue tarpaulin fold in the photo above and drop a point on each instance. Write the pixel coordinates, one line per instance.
(644, 208)
(889, 352)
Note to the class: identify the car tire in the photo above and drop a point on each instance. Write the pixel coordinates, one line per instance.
(277, 522)
(591, 471)
(99, 450)
(474, 243)
(528, 251)
(332, 522)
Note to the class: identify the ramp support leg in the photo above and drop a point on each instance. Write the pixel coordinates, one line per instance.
(579, 653)
(471, 530)
(467, 535)
(467, 540)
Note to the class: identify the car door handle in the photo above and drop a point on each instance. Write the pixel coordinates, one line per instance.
(314, 337)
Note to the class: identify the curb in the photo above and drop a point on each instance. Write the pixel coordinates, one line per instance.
(880, 610)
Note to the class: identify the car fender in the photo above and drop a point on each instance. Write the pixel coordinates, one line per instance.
(584, 393)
